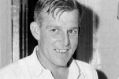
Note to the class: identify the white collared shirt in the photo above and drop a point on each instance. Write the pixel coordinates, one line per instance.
(30, 68)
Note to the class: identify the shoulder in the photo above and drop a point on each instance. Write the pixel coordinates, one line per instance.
(87, 70)
(14, 70)
(83, 65)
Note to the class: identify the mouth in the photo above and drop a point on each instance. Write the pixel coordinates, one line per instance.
(61, 51)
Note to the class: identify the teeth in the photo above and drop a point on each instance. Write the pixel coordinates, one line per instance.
(61, 50)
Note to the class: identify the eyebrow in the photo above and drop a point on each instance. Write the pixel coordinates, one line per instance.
(74, 28)
(50, 26)
(58, 27)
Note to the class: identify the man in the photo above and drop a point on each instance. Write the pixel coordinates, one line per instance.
(55, 27)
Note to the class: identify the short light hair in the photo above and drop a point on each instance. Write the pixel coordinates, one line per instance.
(51, 5)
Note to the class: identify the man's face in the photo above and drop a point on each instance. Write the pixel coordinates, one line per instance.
(58, 37)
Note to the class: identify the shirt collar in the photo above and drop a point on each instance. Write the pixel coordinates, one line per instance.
(34, 65)
(36, 69)
(74, 70)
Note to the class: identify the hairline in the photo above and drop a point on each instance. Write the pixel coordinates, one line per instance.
(39, 19)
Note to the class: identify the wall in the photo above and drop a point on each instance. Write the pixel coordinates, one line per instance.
(109, 38)
(5, 32)
(15, 9)
(108, 34)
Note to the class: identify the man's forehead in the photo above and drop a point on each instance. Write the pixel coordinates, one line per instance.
(68, 19)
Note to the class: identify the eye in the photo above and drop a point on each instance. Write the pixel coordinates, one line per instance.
(74, 31)
(53, 30)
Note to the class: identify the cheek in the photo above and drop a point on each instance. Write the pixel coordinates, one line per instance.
(74, 42)
(44, 42)
(48, 40)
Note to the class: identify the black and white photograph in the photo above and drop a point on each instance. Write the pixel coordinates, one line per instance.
(59, 39)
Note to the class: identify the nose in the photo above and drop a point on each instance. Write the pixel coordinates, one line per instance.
(66, 40)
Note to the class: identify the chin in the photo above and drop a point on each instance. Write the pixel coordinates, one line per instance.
(61, 63)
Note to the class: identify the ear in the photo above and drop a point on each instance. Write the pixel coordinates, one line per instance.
(35, 30)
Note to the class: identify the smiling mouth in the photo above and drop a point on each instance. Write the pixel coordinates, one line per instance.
(62, 51)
